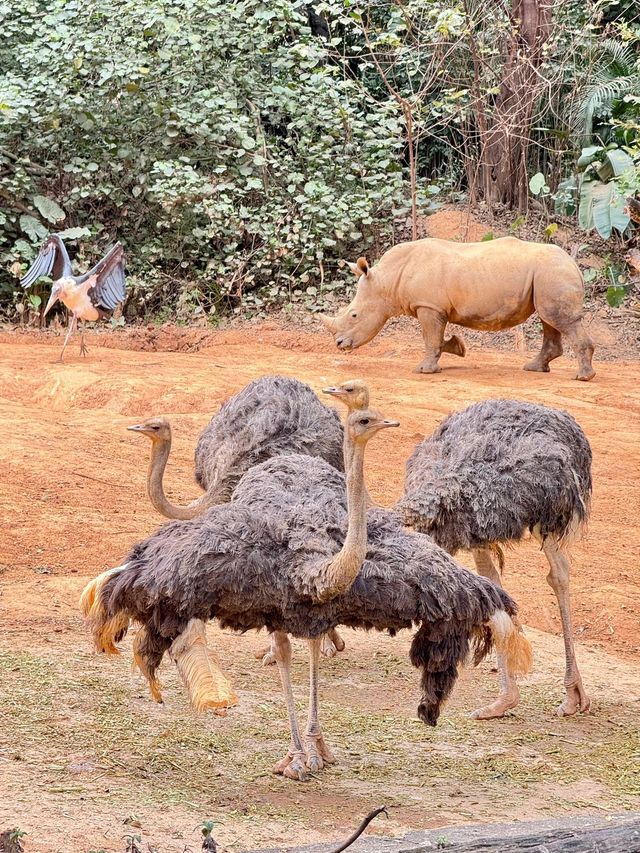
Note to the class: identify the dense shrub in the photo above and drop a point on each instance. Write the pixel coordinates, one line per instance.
(215, 139)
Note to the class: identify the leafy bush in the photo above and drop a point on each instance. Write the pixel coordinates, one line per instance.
(216, 140)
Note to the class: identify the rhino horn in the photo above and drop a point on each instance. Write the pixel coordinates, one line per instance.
(328, 322)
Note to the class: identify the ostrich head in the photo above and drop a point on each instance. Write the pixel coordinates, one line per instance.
(354, 394)
(158, 429)
(363, 425)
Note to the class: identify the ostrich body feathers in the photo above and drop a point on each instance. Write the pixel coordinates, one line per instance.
(268, 417)
(495, 470)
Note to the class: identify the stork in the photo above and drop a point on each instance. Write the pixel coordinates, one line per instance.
(90, 296)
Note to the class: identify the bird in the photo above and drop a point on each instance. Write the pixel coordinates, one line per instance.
(90, 296)
(489, 474)
(332, 563)
(270, 416)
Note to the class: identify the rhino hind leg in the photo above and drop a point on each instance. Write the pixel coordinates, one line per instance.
(583, 349)
(551, 348)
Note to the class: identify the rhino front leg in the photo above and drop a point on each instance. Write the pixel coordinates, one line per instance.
(433, 326)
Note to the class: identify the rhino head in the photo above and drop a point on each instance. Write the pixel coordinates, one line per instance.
(363, 318)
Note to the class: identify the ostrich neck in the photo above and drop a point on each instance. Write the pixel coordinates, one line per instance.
(159, 455)
(343, 568)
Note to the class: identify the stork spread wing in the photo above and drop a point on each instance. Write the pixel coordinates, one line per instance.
(109, 289)
(52, 260)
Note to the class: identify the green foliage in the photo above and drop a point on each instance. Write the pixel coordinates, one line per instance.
(602, 204)
(218, 141)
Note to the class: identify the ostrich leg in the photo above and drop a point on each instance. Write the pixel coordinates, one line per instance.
(509, 693)
(73, 322)
(318, 753)
(332, 643)
(293, 764)
(558, 578)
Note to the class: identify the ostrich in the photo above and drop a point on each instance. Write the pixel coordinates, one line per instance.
(270, 416)
(242, 564)
(486, 476)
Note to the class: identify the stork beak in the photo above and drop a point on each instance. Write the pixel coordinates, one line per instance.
(335, 392)
(52, 301)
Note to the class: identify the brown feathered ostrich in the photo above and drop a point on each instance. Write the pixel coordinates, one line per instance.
(270, 416)
(489, 474)
(325, 565)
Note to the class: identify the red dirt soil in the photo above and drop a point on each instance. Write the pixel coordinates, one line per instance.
(72, 490)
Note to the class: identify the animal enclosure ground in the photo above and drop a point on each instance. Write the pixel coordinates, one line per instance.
(86, 758)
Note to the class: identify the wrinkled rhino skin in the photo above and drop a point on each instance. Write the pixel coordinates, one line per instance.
(488, 286)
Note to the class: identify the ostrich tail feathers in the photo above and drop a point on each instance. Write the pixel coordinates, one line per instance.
(107, 631)
(200, 671)
(511, 642)
(140, 661)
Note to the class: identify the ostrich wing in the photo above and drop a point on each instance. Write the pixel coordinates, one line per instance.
(52, 260)
(109, 289)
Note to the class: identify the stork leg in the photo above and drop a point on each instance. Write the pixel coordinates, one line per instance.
(73, 322)
(318, 753)
(83, 348)
(558, 579)
(509, 695)
(293, 764)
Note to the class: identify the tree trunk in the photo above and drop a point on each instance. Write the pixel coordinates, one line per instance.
(504, 144)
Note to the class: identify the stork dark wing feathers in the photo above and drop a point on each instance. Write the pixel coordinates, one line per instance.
(109, 289)
(52, 260)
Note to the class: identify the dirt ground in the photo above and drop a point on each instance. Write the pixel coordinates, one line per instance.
(86, 758)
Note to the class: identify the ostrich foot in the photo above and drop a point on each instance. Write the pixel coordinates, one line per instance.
(575, 700)
(267, 656)
(502, 704)
(292, 766)
(317, 751)
(84, 350)
(332, 643)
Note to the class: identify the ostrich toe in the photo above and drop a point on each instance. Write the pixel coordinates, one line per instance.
(502, 704)
(292, 766)
(266, 655)
(317, 752)
(575, 700)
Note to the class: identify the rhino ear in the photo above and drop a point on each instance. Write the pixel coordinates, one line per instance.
(363, 266)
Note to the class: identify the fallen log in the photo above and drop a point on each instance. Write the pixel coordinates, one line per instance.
(611, 839)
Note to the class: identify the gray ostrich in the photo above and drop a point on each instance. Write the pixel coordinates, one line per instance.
(486, 476)
(322, 566)
(270, 416)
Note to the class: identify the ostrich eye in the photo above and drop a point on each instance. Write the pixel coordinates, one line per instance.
(155, 427)
(365, 421)
(354, 314)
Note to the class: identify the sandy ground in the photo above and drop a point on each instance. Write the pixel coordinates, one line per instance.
(87, 759)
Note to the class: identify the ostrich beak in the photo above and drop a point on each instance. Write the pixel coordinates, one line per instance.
(384, 424)
(136, 428)
(335, 392)
(52, 301)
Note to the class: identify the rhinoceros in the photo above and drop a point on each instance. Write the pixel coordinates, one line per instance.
(488, 286)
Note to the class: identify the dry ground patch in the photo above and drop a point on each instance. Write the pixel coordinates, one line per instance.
(82, 747)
